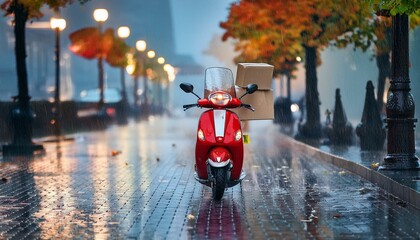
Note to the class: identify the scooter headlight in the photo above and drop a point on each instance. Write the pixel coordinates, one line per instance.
(238, 135)
(220, 98)
(200, 135)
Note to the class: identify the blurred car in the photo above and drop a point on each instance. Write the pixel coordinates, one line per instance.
(88, 103)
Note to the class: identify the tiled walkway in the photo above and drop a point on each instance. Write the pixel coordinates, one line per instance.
(136, 182)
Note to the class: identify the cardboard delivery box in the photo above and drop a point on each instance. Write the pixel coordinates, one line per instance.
(262, 101)
(258, 73)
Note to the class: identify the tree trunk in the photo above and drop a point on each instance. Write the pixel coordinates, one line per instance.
(384, 67)
(22, 116)
(21, 16)
(289, 87)
(312, 127)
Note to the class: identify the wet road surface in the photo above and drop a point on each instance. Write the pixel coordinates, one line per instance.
(136, 182)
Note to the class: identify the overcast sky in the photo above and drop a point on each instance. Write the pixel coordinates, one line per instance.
(196, 23)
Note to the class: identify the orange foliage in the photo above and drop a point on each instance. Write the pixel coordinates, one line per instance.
(274, 31)
(89, 43)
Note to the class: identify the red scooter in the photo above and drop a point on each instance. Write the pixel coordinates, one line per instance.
(219, 149)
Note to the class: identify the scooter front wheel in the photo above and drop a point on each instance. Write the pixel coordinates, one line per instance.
(220, 178)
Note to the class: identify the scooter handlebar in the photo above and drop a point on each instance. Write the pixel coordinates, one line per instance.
(188, 106)
(248, 106)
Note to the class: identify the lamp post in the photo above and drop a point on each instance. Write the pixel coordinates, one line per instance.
(161, 61)
(141, 46)
(150, 54)
(400, 107)
(170, 71)
(123, 33)
(57, 24)
(100, 16)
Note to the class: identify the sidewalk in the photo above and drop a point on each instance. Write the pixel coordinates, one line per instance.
(404, 184)
(136, 182)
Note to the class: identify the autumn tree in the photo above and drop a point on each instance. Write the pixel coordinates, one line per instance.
(22, 11)
(90, 43)
(306, 25)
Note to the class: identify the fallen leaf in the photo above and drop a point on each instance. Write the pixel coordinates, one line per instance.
(115, 153)
(364, 190)
(374, 165)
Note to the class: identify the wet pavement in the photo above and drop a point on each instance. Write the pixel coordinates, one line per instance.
(374, 159)
(136, 182)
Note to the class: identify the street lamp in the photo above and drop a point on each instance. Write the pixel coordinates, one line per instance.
(161, 82)
(171, 74)
(123, 33)
(161, 60)
(100, 16)
(141, 46)
(150, 54)
(57, 24)
(170, 70)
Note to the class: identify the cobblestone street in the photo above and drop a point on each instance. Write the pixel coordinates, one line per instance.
(136, 182)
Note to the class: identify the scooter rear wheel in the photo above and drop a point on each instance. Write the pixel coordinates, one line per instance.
(219, 182)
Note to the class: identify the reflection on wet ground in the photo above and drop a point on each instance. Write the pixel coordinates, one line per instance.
(136, 182)
(373, 159)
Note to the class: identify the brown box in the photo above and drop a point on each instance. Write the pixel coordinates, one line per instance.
(262, 101)
(258, 73)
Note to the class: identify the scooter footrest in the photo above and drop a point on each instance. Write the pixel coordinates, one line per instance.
(206, 182)
(235, 182)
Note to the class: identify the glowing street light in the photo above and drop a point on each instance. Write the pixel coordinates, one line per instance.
(161, 60)
(100, 15)
(151, 54)
(123, 32)
(57, 24)
(141, 45)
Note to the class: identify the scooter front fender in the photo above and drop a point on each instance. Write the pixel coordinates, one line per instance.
(219, 157)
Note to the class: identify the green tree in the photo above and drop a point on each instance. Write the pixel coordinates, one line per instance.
(22, 11)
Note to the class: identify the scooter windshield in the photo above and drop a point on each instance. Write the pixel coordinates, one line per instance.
(219, 79)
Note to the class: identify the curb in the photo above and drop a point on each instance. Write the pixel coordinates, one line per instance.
(401, 191)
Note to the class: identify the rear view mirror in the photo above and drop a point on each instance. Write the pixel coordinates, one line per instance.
(186, 87)
(251, 88)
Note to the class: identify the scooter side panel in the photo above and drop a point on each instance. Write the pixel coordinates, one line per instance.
(202, 148)
(236, 148)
